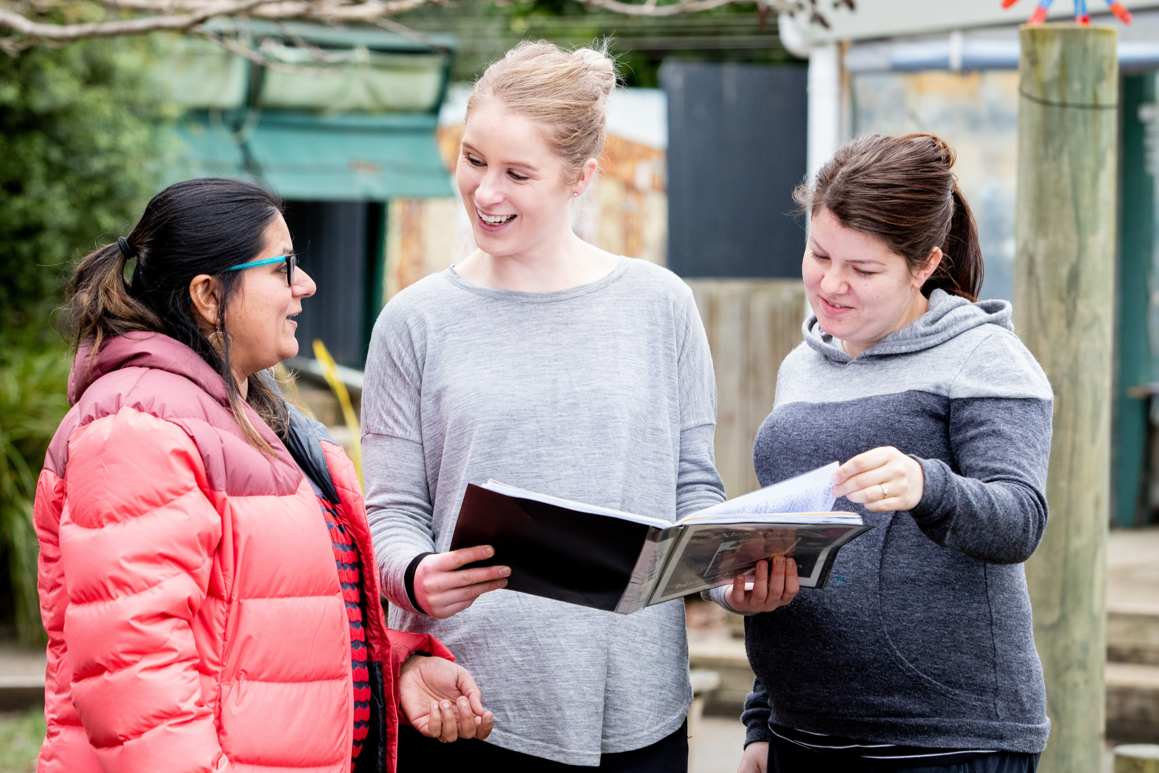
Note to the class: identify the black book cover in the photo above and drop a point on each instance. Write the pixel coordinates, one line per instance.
(553, 552)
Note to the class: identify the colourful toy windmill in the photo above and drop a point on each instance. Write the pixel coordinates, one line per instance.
(1081, 15)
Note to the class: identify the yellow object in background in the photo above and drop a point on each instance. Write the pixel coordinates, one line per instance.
(330, 373)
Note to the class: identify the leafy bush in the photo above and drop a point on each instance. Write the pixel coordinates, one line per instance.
(33, 382)
(79, 157)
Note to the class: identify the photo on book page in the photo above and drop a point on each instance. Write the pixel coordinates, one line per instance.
(711, 554)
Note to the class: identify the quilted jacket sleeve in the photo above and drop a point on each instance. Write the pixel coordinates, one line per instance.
(137, 539)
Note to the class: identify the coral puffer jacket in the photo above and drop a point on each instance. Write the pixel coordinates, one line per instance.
(189, 587)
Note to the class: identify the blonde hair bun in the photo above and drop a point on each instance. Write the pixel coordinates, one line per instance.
(600, 66)
(567, 91)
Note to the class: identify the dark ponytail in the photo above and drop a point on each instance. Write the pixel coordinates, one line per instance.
(202, 226)
(901, 190)
(961, 269)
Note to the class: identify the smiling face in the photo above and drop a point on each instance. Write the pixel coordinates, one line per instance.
(259, 319)
(514, 185)
(860, 290)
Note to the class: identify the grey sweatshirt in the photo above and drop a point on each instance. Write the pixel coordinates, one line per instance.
(603, 394)
(923, 635)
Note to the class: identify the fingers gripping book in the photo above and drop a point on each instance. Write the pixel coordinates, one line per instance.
(621, 562)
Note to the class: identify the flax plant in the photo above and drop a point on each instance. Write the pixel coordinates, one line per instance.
(32, 402)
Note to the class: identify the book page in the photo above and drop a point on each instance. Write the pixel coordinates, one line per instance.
(834, 516)
(808, 493)
(580, 507)
(647, 572)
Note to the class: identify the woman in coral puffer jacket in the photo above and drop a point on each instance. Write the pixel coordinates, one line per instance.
(206, 576)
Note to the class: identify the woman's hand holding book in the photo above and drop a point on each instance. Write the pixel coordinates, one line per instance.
(442, 587)
(774, 585)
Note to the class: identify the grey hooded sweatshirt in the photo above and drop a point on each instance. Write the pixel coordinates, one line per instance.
(922, 636)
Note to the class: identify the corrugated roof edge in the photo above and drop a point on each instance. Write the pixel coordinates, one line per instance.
(343, 37)
(422, 122)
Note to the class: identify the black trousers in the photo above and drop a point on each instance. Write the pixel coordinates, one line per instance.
(786, 757)
(419, 754)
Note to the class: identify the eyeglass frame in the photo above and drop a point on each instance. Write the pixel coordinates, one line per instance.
(291, 263)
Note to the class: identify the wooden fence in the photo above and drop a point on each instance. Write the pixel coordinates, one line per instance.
(752, 326)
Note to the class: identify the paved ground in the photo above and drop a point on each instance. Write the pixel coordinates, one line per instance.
(21, 665)
(718, 747)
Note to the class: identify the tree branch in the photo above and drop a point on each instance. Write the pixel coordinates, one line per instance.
(110, 29)
(188, 15)
(685, 6)
(365, 10)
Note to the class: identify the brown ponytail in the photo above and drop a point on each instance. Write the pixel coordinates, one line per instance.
(901, 190)
(99, 304)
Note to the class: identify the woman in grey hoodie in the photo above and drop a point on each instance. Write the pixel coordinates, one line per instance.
(919, 653)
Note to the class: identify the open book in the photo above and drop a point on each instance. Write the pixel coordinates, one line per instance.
(620, 562)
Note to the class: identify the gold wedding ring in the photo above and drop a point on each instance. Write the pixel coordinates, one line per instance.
(884, 491)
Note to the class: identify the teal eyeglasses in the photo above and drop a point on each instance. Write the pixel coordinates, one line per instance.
(291, 264)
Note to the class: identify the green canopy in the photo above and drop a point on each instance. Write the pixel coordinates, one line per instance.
(320, 158)
(330, 115)
(211, 150)
(351, 157)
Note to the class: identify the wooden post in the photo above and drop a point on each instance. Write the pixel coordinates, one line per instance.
(1064, 310)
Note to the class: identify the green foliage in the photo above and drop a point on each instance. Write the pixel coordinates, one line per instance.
(80, 144)
(78, 150)
(33, 383)
(20, 737)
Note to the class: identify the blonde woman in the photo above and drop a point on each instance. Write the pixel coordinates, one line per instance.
(547, 363)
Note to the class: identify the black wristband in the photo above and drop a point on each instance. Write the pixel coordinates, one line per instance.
(408, 580)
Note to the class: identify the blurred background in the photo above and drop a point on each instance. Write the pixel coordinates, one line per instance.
(726, 107)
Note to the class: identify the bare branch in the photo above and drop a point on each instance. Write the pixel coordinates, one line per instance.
(364, 10)
(109, 29)
(260, 56)
(401, 29)
(188, 15)
(13, 45)
(650, 8)
(257, 57)
(158, 6)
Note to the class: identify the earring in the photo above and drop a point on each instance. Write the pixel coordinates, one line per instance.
(218, 340)
(574, 193)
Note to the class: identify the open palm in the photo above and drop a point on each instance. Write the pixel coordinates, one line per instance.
(441, 700)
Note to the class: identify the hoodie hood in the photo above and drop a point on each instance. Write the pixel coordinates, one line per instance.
(154, 374)
(948, 316)
(142, 350)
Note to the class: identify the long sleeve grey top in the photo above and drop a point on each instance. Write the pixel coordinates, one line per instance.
(923, 635)
(602, 394)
